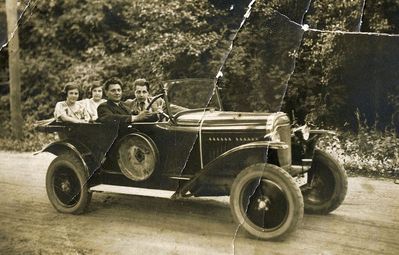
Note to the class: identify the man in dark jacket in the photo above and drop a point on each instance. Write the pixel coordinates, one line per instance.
(114, 110)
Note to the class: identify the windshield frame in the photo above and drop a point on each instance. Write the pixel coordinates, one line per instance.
(168, 85)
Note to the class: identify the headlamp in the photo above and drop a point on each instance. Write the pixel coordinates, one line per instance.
(305, 132)
(273, 136)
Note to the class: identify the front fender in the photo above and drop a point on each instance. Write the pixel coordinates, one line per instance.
(266, 147)
(227, 165)
(79, 150)
(260, 144)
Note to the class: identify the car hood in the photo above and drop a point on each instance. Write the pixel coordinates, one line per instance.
(231, 120)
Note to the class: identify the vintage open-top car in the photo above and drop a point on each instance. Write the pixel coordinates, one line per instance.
(271, 172)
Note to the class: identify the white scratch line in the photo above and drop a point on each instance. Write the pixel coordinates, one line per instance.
(16, 26)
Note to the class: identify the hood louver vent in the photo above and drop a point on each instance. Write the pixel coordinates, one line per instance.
(235, 139)
(215, 145)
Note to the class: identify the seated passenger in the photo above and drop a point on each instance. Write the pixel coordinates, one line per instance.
(96, 98)
(141, 89)
(69, 110)
(114, 110)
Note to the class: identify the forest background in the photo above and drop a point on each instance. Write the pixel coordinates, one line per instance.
(346, 81)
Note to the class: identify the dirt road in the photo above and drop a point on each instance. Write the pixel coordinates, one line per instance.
(367, 222)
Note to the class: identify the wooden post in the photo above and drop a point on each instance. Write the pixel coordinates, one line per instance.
(14, 70)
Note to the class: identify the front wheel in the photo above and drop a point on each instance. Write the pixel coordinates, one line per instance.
(327, 184)
(66, 184)
(266, 202)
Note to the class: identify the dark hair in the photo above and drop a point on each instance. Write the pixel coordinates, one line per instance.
(89, 91)
(70, 86)
(110, 81)
(141, 82)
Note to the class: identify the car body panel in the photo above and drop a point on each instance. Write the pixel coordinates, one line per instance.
(192, 145)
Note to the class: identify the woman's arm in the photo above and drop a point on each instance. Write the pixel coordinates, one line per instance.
(61, 114)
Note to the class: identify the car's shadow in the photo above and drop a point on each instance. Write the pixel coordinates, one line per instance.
(204, 216)
(198, 216)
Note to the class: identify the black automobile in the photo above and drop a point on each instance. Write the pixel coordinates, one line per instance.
(272, 172)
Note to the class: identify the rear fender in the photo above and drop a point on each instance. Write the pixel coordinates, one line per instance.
(76, 148)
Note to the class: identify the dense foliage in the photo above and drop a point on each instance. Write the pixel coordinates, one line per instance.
(89, 41)
(319, 77)
(340, 73)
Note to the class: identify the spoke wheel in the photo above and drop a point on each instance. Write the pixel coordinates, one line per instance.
(266, 202)
(66, 184)
(327, 185)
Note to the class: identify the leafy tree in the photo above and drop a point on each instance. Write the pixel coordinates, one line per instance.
(328, 76)
(89, 41)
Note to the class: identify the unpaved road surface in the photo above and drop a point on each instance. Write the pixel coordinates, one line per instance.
(366, 223)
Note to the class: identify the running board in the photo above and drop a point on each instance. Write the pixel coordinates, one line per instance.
(132, 191)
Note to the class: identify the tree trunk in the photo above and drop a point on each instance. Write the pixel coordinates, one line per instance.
(13, 62)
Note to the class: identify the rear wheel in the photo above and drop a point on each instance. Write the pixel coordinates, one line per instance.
(327, 184)
(66, 184)
(266, 202)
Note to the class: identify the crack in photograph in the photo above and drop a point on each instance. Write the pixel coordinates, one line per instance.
(199, 127)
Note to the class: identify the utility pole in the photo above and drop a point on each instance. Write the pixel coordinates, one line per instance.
(14, 70)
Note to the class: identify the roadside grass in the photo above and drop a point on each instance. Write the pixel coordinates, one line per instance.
(31, 142)
(368, 153)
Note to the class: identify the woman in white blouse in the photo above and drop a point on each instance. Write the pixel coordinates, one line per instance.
(96, 98)
(69, 110)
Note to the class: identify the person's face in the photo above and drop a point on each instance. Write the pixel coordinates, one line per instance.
(97, 93)
(72, 95)
(114, 93)
(141, 93)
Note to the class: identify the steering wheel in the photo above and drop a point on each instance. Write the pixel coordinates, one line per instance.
(161, 114)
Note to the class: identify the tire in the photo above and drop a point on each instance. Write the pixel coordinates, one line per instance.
(266, 202)
(66, 184)
(327, 184)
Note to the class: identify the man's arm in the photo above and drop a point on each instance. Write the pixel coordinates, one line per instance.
(105, 114)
